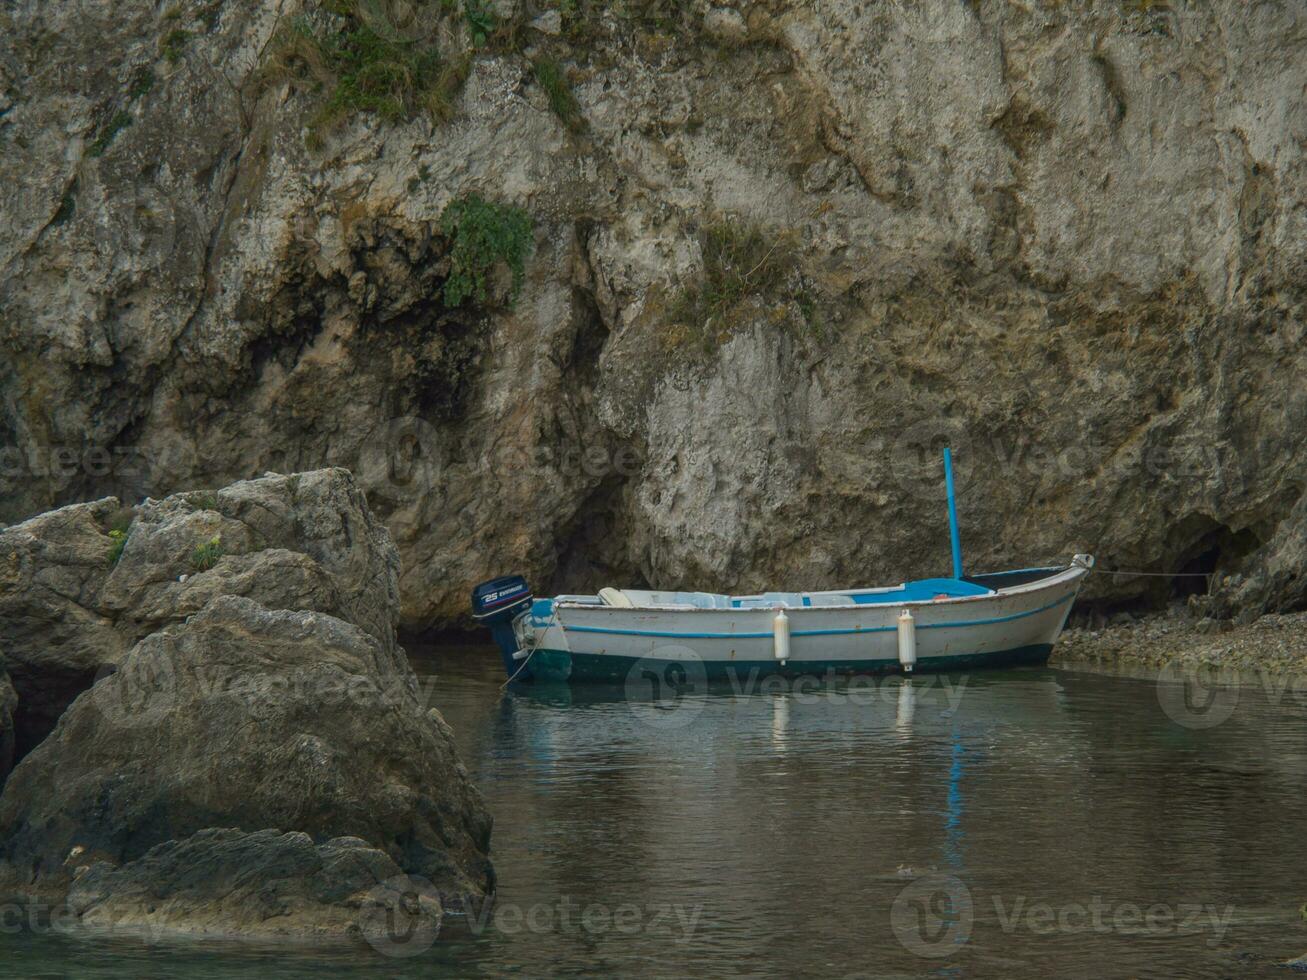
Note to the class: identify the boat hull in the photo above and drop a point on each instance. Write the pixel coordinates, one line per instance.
(591, 642)
(589, 668)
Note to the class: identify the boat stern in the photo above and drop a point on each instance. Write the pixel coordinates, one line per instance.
(497, 604)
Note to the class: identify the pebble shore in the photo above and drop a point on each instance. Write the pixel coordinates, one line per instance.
(1275, 643)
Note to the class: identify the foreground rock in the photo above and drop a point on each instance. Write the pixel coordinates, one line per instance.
(1271, 643)
(285, 750)
(72, 603)
(261, 885)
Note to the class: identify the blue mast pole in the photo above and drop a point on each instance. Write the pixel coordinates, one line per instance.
(952, 514)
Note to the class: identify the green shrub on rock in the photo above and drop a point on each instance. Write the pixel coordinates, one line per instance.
(483, 234)
(368, 60)
(746, 272)
(117, 541)
(551, 78)
(206, 555)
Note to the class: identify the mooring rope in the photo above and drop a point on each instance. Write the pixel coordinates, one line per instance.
(536, 637)
(1122, 571)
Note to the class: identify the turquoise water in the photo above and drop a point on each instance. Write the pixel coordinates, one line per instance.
(1026, 823)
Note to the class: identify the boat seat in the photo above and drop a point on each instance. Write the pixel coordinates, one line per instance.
(790, 600)
(682, 600)
(831, 600)
(616, 598)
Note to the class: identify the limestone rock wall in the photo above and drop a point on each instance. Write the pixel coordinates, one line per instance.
(1067, 238)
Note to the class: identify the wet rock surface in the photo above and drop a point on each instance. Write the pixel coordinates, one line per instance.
(1064, 238)
(260, 691)
(227, 883)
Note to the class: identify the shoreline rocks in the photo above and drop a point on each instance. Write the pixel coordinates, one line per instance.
(1274, 642)
(216, 882)
(263, 724)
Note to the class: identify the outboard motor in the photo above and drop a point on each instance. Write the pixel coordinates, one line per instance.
(497, 604)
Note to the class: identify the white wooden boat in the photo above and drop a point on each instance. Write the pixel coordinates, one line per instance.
(1000, 618)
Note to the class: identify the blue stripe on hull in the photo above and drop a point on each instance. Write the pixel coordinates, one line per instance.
(591, 668)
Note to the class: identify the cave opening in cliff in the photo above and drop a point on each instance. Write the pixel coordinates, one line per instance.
(1219, 550)
(42, 700)
(1202, 547)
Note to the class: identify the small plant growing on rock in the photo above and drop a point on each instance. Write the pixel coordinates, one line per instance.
(370, 62)
(173, 45)
(206, 555)
(549, 74)
(483, 234)
(205, 500)
(741, 262)
(119, 527)
(142, 82)
(480, 21)
(117, 541)
(117, 123)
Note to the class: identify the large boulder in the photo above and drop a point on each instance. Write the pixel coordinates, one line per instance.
(53, 631)
(73, 602)
(265, 696)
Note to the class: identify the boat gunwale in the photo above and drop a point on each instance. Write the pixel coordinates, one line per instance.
(1081, 565)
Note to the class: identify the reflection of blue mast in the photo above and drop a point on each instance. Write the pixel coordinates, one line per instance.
(953, 832)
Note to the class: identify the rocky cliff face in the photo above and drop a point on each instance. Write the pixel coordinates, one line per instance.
(1069, 239)
(216, 728)
(8, 700)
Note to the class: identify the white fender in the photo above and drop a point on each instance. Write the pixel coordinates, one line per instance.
(907, 641)
(781, 636)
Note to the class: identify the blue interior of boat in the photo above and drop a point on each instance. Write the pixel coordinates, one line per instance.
(918, 591)
(922, 589)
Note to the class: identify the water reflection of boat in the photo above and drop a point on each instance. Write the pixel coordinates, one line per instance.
(801, 710)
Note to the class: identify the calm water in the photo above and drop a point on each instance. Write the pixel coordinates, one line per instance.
(1023, 823)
